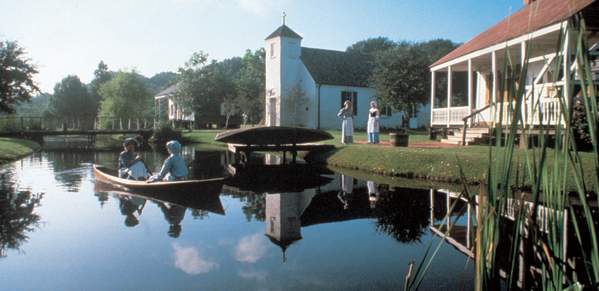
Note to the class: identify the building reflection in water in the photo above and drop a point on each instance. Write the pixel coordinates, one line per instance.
(291, 203)
(460, 232)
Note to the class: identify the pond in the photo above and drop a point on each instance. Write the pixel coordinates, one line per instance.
(271, 227)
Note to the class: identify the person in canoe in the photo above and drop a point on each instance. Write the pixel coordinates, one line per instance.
(174, 167)
(131, 166)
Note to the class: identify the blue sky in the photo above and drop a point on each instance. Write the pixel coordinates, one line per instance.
(71, 36)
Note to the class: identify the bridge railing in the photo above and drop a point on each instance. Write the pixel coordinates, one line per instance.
(42, 123)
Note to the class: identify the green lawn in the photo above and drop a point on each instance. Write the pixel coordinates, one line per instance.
(417, 136)
(207, 137)
(440, 164)
(12, 149)
(435, 164)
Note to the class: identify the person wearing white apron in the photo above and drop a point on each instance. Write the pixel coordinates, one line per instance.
(347, 125)
(373, 123)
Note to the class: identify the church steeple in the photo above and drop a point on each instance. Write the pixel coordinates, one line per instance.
(284, 31)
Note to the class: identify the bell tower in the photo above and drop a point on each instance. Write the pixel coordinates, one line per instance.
(282, 61)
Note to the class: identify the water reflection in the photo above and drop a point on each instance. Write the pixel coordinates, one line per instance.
(312, 219)
(173, 205)
(17, 214)
(325, 197)
(131, 207)
(191, 260)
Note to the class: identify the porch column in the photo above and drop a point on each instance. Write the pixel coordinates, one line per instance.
(448, 93)
(432, 94)
(567, 70)
(494, 87)
(470, 90)
(523, 57)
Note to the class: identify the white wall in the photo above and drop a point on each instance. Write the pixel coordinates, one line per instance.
(330, 103)
(273, 79)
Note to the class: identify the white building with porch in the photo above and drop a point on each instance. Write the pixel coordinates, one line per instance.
(168, 108)
(466, 85)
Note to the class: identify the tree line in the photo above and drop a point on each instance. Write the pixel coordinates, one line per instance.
(214, 90)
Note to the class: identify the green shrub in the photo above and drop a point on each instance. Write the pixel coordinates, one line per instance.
(165, 132)
(580, 126)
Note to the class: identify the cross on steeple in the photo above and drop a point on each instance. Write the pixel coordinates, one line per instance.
(284, 15)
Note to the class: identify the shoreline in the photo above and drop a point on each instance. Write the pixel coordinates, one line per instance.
(14, 149)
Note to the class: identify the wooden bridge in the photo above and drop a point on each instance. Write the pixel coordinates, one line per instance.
(36, 127)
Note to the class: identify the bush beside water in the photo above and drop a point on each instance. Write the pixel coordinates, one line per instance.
(165, 132)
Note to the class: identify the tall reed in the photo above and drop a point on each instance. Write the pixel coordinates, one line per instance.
(531, 214)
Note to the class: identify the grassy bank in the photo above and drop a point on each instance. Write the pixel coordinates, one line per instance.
(436, 164)
(431, 164)
(12, 149)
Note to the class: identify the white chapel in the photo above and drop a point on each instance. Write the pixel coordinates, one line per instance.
(306, 86)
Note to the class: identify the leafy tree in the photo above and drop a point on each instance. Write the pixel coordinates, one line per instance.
(204, 87)
(399, 78)
(125, 96)
(16, 76)
(71, 99)
(37, 106)
(101, 76)
(436, 48)
(401, 74)
(372, 46)
(250, 85)
(161, 81)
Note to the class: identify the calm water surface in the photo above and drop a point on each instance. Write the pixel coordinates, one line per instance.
(269, 228)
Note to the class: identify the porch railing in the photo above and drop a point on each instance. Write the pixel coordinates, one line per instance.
(540, 107)
(449, 116)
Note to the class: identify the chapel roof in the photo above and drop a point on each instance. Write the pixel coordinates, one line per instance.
(284, 31)
(330, 67)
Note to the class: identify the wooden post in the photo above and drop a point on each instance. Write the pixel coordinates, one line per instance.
(128, 123)
(449, 88)
(137, 123)
(112, 121)
(121, 123)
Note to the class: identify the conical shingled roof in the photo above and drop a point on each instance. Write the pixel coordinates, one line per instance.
(284, 31)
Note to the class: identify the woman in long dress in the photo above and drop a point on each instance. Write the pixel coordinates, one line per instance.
(373, 123)
(347, 126)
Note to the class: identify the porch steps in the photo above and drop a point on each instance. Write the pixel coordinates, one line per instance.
(474, 135)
